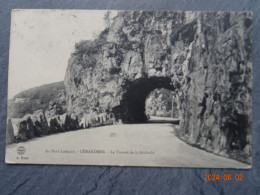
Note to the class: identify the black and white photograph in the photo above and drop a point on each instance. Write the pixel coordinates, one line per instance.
(130, 88)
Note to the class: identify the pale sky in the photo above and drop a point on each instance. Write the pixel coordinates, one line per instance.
(41, 43)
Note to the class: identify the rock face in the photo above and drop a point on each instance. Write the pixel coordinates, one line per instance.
(53, 120)
(204, 57)
(32, 125)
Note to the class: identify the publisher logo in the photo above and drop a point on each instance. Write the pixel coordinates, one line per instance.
(21, 150)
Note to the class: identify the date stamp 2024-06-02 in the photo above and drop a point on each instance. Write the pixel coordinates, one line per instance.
(224, 177)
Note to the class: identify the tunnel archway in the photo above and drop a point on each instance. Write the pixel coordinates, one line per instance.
(132, 105)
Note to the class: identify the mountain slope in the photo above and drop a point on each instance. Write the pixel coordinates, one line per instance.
(28, 101)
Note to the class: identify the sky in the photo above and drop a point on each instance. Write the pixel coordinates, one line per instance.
(41, 43)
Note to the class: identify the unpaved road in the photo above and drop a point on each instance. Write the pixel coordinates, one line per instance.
(135, 145)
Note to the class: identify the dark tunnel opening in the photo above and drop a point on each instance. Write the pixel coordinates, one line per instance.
(132, 105)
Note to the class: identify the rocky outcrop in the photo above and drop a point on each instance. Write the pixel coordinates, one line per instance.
(53, 120)
(56, 114)
(32, 125)
(205, 57)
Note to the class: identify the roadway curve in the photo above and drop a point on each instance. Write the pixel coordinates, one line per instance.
(157, 140)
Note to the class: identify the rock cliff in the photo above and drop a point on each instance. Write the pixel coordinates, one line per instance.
(204, 57)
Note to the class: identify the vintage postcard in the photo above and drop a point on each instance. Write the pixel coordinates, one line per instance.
(130, 88)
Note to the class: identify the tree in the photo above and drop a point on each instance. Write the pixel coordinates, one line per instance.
(107, 19)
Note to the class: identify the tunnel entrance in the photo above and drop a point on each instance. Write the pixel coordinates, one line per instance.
(132, 105)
